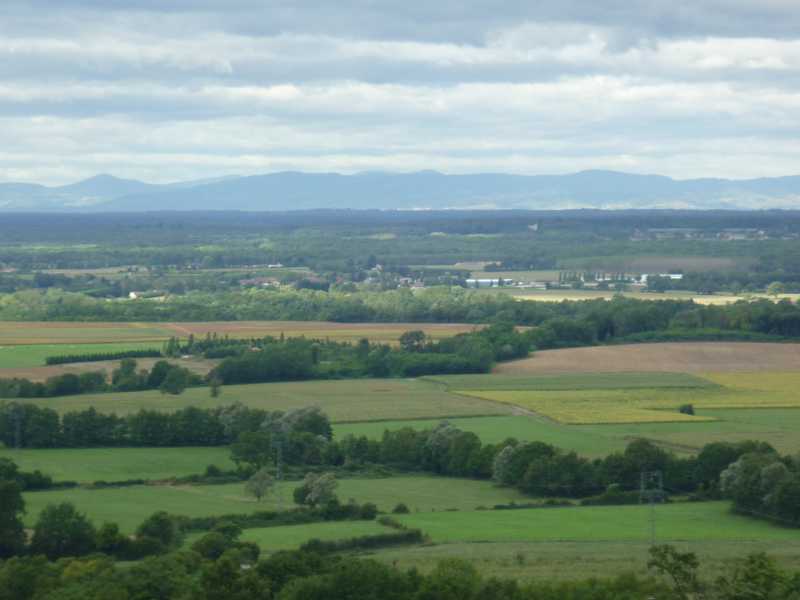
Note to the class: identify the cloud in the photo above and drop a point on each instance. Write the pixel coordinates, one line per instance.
(182, 89)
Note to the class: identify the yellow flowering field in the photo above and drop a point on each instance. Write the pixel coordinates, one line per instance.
(586, 406)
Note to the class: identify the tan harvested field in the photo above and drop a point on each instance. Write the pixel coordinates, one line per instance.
(676, 357)
(37, 332)
(200, 366)
(593, 294)
(653, 264)
(378, 332)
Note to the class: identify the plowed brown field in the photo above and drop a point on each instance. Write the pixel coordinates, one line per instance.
(679, 357)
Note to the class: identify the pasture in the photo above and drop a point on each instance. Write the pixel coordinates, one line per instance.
(342, 400)
(116, 464)
(271, 539)
(573, 381)
(34, 355)
(493, 430)
(129, 506)
(40, 332)
(561, 560)
(673, 357)
(674, 522)
(586, 406)
(201, 366)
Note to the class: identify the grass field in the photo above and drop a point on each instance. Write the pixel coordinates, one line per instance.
(271, 539)
(16, 333)
(116, 464)
(584, 406)
(573, 381)
(493, 430)
(345, 400)
(562, 560)
(201, 366)
(675, 522)
(34, 355)
(673, 357)
(129, 506)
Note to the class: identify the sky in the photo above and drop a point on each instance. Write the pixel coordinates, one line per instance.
(168, 90)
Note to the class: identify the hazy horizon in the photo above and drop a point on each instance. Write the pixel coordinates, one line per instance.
(196, 90)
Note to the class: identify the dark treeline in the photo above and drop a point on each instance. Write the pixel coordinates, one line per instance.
(214, 571)
(30, 426)
(167, 377)
(62, 359)
(294, 359)
(764, 484)
(563, 323)
(298, 358)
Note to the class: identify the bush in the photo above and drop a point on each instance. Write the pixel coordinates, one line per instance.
(400, 509)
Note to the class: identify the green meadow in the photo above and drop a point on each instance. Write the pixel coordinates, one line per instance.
(34, 355)
(129, 506)
(117, 464)
(342, 400)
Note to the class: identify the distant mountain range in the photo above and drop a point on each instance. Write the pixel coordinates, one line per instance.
(420, 190)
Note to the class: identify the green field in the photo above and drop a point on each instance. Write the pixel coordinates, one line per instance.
(561, 560)
(574, 381)
(34, 355)
(580, 404)
(289, 537)
(674, 522)
(292, 536)
(129, 506)
(492, 430)
(117, 464)
(346, 400)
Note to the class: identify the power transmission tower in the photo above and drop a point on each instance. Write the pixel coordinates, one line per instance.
(17, 426)
(652, 491)
(277, 443)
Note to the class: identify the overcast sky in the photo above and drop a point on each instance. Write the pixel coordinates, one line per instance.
(165, 90)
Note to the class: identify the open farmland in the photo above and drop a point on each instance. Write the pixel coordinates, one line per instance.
(201, 366)
(535, 295)
(271, 539)
(34, 355)
(560, 560)
(675, 522)
(493, 430)
(86, 465)
(655, 264)
(675, 357)
(40, 332)
(131, 505)
(342, 400)
(585, 406)
(573, 381)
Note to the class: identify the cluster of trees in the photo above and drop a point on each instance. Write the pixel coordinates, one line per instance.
(535, 468)
(30, 426)
(298, 358)
(212, 569)
(764, 484)
(61, 359)
(564, 323)
(164, 376)
(540, 469)
(61, 530)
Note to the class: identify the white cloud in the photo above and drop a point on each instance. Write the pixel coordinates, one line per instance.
(184, 93)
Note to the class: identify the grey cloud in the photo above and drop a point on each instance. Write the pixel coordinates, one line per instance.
(186, 88)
